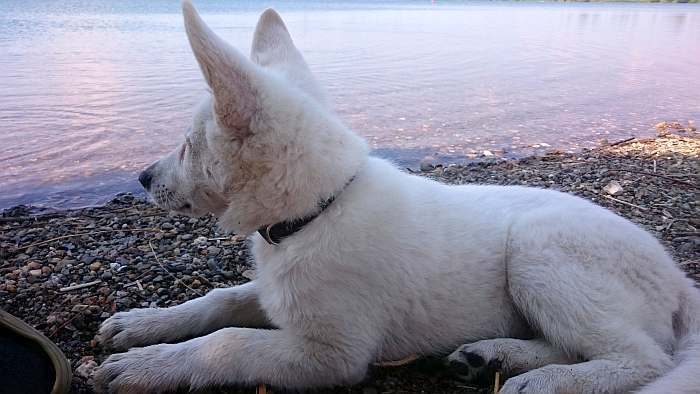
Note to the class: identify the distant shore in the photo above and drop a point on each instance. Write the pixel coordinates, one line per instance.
(623, 1)
(65, 272)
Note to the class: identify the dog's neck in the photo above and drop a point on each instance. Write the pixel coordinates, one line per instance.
(275, 233)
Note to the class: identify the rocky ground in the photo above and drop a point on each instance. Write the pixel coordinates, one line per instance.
(65, 272)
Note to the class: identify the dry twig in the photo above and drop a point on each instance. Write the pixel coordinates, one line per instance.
(656, 175)
(625, 202)
(87, 233)
(397, 363)
(177, 280)
(80, 286)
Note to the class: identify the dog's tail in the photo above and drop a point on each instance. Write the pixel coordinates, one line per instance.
(685, 377)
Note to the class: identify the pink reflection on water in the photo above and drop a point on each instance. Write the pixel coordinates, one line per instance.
(89, 94)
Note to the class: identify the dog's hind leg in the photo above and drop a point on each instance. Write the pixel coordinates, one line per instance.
(235, 306)
(589, 310)
(479, 360)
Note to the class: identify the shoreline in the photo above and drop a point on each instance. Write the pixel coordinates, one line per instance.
(412, 160)
(66, 271)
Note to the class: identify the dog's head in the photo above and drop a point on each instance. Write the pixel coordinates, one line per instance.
(264, 146)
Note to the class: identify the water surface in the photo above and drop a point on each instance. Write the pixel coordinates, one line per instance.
(92, 91)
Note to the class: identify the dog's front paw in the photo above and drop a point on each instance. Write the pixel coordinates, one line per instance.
(471, 363)
(151, 369)
(125, 330)
(539, 381)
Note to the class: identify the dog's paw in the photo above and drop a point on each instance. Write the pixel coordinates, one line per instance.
(472, 363)
(125, 330)
(151, 369)
(545, 380)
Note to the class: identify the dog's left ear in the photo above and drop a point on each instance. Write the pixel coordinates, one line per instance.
(274, 49)
(230, 75)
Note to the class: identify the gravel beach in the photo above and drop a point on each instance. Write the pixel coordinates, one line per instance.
(65, 272)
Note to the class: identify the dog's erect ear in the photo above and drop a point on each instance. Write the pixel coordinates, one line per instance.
(272, 43)
(229, 74)
(273, 48)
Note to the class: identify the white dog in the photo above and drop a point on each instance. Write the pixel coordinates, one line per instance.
(358, 261)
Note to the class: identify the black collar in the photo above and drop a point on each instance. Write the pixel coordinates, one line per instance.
(275, 233)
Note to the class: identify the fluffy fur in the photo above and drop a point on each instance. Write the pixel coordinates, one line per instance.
(565, 295)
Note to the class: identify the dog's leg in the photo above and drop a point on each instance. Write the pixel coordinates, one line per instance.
(581, 308)
(237, 356)
(234, 306)
(510, 356)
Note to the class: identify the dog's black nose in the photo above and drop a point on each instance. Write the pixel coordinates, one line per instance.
(145, 178)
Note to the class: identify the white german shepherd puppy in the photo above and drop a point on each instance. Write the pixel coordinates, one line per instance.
(566, 296)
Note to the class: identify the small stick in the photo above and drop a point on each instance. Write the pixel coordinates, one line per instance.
(497, 383)
(656, 175)
(69, 321)
(625, 202)
(261, 389)
(139, 285)
(80, 286)
(88, 233)
(397, 363)
(623, 141)
(169, 273)
(11, 219)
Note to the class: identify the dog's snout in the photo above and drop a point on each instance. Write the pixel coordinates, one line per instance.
(145, 178)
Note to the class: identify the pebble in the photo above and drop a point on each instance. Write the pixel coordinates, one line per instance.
(200, 240)
(86, 369)
(613, 188)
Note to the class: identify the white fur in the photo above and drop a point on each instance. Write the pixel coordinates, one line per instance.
(564, 293)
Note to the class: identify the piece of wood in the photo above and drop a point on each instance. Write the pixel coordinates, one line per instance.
(497, 383)
(397, 363)
(80, 286)
(177, 280)
(625, 202)
(126, 230)
(623, 141)
(668, 178)
(261, 389)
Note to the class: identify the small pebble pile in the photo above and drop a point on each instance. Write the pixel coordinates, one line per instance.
(66, 272)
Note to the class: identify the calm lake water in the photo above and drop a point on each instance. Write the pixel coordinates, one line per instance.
(92, 91)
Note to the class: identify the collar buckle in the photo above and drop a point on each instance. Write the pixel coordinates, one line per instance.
(268, 237)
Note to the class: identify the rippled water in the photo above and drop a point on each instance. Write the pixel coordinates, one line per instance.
(92, 91)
